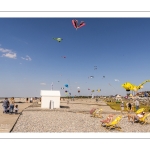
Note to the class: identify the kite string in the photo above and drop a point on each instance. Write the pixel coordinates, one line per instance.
(111, 85)
(69, 86)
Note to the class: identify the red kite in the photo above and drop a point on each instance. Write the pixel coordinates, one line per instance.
(75, 24)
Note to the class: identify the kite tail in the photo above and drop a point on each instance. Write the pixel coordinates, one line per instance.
(139, 86)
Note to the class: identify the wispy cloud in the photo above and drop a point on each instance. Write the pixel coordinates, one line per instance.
(27, 58)
(8, 53)
(43, 83)
(3, 50)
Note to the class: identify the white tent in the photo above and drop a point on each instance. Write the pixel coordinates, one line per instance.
(118, 97)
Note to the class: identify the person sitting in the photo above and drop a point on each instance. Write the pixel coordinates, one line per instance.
(92, 110)
(136, 118)
(107, 120)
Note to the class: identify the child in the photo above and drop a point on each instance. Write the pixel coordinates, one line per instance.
(16, 109)
(7, 110)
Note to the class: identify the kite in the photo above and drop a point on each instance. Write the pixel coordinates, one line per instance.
(116, 80)
(91, 77)
(66, 94)
(88, 89)
(78, 89)
(92, 91)
(66, 85)
(62, 88)
(75, 24)
(64, 56)
(95, 67)
(98, 90)
(66, 91)
(129, 86)
(58, 39)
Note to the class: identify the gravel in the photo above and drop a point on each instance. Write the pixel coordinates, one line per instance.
(76, 118)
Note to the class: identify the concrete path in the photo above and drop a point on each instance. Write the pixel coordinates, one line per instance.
(8, 121)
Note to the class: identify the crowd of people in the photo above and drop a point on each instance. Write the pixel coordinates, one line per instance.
(130, 106)
(132, 115)
(9, 106)
(31, 99)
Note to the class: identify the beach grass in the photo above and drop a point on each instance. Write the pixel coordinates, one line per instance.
(116, 106)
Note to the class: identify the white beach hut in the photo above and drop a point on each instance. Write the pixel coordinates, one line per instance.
(50, 99)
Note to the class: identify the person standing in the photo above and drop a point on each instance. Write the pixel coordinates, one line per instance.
(68, 101)
(132, 107)
(122, 106)
(137, 104)
(11, 106)
(129, 106)
(72, 98)
(27, 99)
(5, 105)
(31, 100)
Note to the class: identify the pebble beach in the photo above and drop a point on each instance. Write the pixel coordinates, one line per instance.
(73, 117)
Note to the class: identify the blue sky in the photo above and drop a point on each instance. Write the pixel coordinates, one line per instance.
(30, 60)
